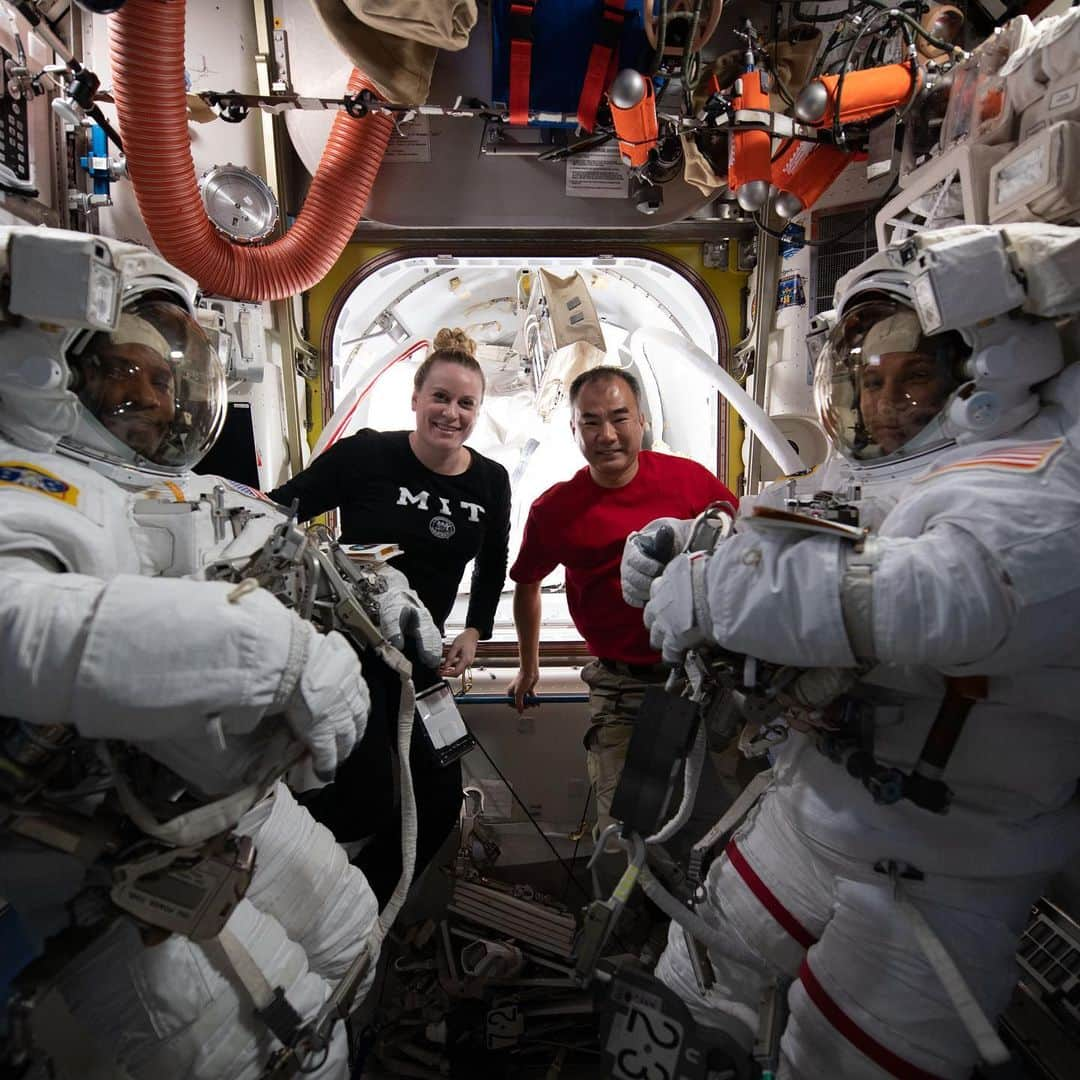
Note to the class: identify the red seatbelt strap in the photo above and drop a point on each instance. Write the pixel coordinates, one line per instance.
(768, 898)
(603, 61)
(880, 1055)
(521, 44)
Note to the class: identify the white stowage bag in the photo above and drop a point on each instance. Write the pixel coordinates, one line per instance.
(177, 1011)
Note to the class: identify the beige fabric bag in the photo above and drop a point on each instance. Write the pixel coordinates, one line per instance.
(698, 171)
(395, 42)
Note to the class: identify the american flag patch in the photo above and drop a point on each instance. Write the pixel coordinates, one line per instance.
(1026, 457)
(250, 492)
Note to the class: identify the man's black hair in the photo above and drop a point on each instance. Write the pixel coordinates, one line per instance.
(605, 371)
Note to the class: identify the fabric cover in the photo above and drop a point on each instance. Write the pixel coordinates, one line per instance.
(394, 43)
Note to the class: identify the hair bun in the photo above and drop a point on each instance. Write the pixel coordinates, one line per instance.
(454, 340)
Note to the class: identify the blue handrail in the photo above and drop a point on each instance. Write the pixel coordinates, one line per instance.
(538, 699)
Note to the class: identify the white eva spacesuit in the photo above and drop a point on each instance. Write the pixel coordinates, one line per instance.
(944, 386)
(109, 393)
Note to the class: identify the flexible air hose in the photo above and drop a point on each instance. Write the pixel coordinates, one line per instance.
(147, 44)
(679, 913)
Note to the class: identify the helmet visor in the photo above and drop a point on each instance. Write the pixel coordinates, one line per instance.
(155, 384)
(879, 380)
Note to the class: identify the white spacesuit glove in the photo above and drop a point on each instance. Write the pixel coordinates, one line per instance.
(677, 614)
(328, 704)
(646, 553)
(402, 615)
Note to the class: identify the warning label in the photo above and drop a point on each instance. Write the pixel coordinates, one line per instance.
(598, 174)
(411, 143)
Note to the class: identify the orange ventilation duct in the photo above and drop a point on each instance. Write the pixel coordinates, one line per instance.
(147, 41)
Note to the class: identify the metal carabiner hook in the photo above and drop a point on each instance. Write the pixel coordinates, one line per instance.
(713, 524)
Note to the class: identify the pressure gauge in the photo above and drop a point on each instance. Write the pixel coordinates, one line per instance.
(239, 203)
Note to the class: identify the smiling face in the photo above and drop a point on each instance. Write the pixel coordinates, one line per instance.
(447, 405)
(899, 394)
(608, 426)
(130, 389)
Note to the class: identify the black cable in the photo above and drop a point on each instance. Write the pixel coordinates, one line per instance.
(851, 9)
(580, 833)
(781, 86)
(839, 236)
(882, 10)
(535, 823)
(882, 7)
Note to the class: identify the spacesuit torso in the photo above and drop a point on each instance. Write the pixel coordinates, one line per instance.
(174, 1009)
(1014, 770)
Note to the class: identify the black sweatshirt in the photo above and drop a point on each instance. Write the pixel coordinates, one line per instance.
(441, 522)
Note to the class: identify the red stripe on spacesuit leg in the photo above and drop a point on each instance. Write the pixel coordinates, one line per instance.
(866, 1044)
(770, 902)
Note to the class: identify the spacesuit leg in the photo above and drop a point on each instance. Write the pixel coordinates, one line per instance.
(756, 947)
(867, 1002)
(304, 880)
(178, 1009)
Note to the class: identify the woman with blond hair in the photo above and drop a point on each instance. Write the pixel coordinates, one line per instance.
(444, 505)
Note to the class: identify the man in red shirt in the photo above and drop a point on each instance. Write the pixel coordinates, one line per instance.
(583, 524)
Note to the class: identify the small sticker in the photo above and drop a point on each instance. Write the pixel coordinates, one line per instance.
(598, 174)
(243, 489)
(792, 240)
(34, 478)
(791, 291)
(1062, 98)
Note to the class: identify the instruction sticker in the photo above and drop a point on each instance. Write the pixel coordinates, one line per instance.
(412, 142)
(598, 174)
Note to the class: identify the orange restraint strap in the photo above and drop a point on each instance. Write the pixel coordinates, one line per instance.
(603, 61)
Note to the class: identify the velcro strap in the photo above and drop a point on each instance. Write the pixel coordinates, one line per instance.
(603, 60)
(281, 1018)
(610, 28)
(521, 36)
(699, 563)
(519, 21)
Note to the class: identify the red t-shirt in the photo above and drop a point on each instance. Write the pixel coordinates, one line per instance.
(584, 526)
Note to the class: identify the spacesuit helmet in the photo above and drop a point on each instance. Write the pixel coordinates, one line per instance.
(151, 391)
(101, 353)
(948, 337)
(881, 384)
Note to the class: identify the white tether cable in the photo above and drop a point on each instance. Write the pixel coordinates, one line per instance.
(406, 711)
(991, 1049)
(695, 765)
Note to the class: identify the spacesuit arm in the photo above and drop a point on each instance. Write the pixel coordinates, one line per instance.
(938, 599)
(140, 658)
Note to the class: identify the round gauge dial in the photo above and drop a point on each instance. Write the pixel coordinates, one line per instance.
(239, 203)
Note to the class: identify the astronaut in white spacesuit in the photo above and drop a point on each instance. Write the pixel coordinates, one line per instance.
(109, 394)
(893, 891)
